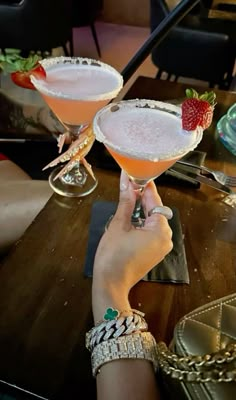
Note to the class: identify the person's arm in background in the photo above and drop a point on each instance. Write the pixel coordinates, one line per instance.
(123, 257)
(21, 199)
(22, 118)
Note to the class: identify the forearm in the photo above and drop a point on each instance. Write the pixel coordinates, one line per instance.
(20, 202)
(105, 297)
(127, 379)
(124, 378)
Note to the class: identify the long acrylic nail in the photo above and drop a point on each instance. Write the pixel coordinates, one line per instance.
(124, 181)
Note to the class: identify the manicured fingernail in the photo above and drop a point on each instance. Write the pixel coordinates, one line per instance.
(124, 181)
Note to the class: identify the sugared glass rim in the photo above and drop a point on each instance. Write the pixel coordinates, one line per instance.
(145, 103)
(50, 62)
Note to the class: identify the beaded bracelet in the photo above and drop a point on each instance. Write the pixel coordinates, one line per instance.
(115, 325)
(135, 346)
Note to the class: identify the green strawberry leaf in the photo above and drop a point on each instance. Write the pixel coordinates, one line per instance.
(206, 96)
(14, 62)
(191, 93)
(7, 66)
(209, 96)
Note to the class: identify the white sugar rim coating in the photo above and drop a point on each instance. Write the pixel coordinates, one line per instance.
(47, 63)
(143, 103)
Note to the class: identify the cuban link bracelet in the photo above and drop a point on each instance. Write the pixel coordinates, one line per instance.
(115, 325)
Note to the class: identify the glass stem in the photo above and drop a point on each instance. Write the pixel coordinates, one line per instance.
(74, 176)
(137, 218)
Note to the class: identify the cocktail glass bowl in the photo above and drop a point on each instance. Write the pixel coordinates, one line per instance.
(145, 137)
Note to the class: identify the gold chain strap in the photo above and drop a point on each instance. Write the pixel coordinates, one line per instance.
(216, 367)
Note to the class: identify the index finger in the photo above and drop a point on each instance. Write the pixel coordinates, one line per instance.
(150, 198)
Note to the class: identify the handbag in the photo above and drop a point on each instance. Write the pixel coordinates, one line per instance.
(200, 363)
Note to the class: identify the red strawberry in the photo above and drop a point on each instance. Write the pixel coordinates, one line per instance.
(21, 68)
(22, 78)
(197, 110)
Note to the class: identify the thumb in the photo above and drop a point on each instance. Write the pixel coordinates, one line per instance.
(126, 200)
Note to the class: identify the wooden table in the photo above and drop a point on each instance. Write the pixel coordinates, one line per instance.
(45, 301)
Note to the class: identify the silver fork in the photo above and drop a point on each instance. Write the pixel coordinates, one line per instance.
(219, 176)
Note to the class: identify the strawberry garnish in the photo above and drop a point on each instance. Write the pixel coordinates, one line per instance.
(197, 110)
(22, 68)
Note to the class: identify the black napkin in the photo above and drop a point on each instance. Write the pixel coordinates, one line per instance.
(173, 269)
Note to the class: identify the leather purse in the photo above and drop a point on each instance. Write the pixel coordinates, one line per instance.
(200, 363)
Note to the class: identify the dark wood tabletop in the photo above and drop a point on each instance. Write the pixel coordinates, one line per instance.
(45, 300)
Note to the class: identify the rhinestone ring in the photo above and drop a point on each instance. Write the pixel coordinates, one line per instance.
(163, 210)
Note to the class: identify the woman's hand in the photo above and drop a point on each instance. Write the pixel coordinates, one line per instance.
(126, 254)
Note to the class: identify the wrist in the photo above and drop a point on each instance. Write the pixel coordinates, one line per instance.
(107, 296)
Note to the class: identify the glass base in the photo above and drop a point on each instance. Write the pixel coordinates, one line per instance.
(72, 184)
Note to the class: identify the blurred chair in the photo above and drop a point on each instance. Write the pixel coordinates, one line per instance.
(197, 48)
(228, 5)
(223, 9)
(85, 13)
(35, 25)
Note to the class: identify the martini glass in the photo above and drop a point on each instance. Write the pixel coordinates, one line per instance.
(75, 89)
(145, 137)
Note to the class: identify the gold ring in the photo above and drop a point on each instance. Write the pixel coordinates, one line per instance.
(163, 210)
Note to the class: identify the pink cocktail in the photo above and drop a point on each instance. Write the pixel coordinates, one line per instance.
(75, 89)
(145, 137)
